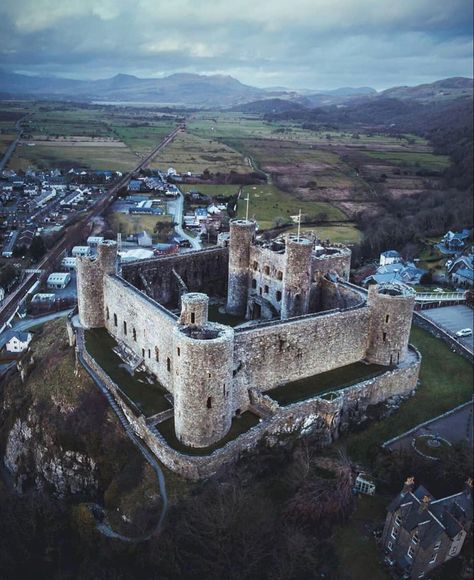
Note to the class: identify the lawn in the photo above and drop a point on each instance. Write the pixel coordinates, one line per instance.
(339, 234)
(355, 545)
(128, 224)
(446, 381)
(267, 203)
(211, 189)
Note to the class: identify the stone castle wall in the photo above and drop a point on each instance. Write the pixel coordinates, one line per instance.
(202, 271)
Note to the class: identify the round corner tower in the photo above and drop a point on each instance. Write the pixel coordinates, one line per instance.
(90, 283)
(242, 233)
(297, 277)
(202, 383)
(391, 311)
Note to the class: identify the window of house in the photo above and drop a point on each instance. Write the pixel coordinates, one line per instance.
(434, 557)
(209, 402)
(266, 289)
(390, 546)
(415, 538)
(421, 575)
(398, 520)
(115, 320)
(124, 327)
(254, 283)
(411, 551)
(394, 533)
(437, 545)
(134, 335)
(168, 364)
(278, 296)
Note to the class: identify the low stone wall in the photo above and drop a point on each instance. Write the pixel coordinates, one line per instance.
(426, 324)
(324, 418)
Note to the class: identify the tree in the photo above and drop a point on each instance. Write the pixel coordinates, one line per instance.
(37, 248)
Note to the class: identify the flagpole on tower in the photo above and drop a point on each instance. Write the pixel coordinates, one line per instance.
(247, 199)
(299, 225)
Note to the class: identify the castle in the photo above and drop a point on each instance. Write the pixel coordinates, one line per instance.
(299, 317)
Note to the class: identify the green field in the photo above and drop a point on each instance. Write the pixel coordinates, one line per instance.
(141, 139)
(446, 381)
(268, 203)
(128, 224)
(339, 234)
(427, 161)
(211, 190)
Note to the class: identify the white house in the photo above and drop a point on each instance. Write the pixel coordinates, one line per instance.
(69, 263)
(43, 297)
(18, 341)
(81, 251)
(58, 280)
(364, 484)
(94, 240)
(389, 257)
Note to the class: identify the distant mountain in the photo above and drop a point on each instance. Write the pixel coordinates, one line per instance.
(451, 88)
(177, 89)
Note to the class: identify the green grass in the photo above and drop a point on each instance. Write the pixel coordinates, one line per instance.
(148, 398)
(267, 203)
(211, 190)
(355, 546)
(128, 224)
(421, 444)
(143, 138)
(446, 381)
(340, 234)
(330, 381)
(427, 161)
(221, 317)
(239, 425)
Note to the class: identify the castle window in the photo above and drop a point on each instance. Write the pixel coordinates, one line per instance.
(168, 364)
(124, 327)
(193, 318)
(255, 265)
(254, 283)
(209, 402)
(278, 296)
(115, 320)
(143, 353)
(260, 291)
(107, 313)
(179, 351)
(279, 275)
(387, 318)
(384, 336)
(266, 270)
(149, 353)
(266, 289)
(157, 354)
(134, 335)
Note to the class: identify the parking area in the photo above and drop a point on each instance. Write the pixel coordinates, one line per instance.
(452, 319)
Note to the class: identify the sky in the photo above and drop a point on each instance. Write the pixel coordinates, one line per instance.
(314, 44)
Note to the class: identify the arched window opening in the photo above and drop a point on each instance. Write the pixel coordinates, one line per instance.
(209, 402)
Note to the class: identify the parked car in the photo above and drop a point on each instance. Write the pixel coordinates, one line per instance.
(464, 332)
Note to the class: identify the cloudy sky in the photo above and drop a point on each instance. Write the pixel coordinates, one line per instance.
(294, 43)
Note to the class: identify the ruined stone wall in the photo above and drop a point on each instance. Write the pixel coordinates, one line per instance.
(204, 271)
(336, 258)
(266, 278)
(274, 354)
(203, 383)
(336, 295)
(142, 324)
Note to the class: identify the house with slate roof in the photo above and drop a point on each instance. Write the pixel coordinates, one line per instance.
(422, 532)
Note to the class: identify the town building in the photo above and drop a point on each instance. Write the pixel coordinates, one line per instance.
(389, 257)
(69, 263)
(18, 341)
(460, 271)
(81, 251)
(422, 532)
(58, 280)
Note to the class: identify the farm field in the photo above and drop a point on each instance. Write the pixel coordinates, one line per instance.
(141, 138)
(269, 205)
(189, 153)
(427, 161)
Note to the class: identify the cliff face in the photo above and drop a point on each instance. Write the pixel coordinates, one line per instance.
(57, 434)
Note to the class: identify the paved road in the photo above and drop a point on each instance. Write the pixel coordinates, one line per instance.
(11, 148)
(452, 319)
(27, 323)
(178, 218)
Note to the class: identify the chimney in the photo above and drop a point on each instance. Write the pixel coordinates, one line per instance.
(408, 485)
(468, 486)
(425, 503)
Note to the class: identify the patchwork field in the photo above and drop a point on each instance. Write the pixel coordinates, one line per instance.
(190, 153)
